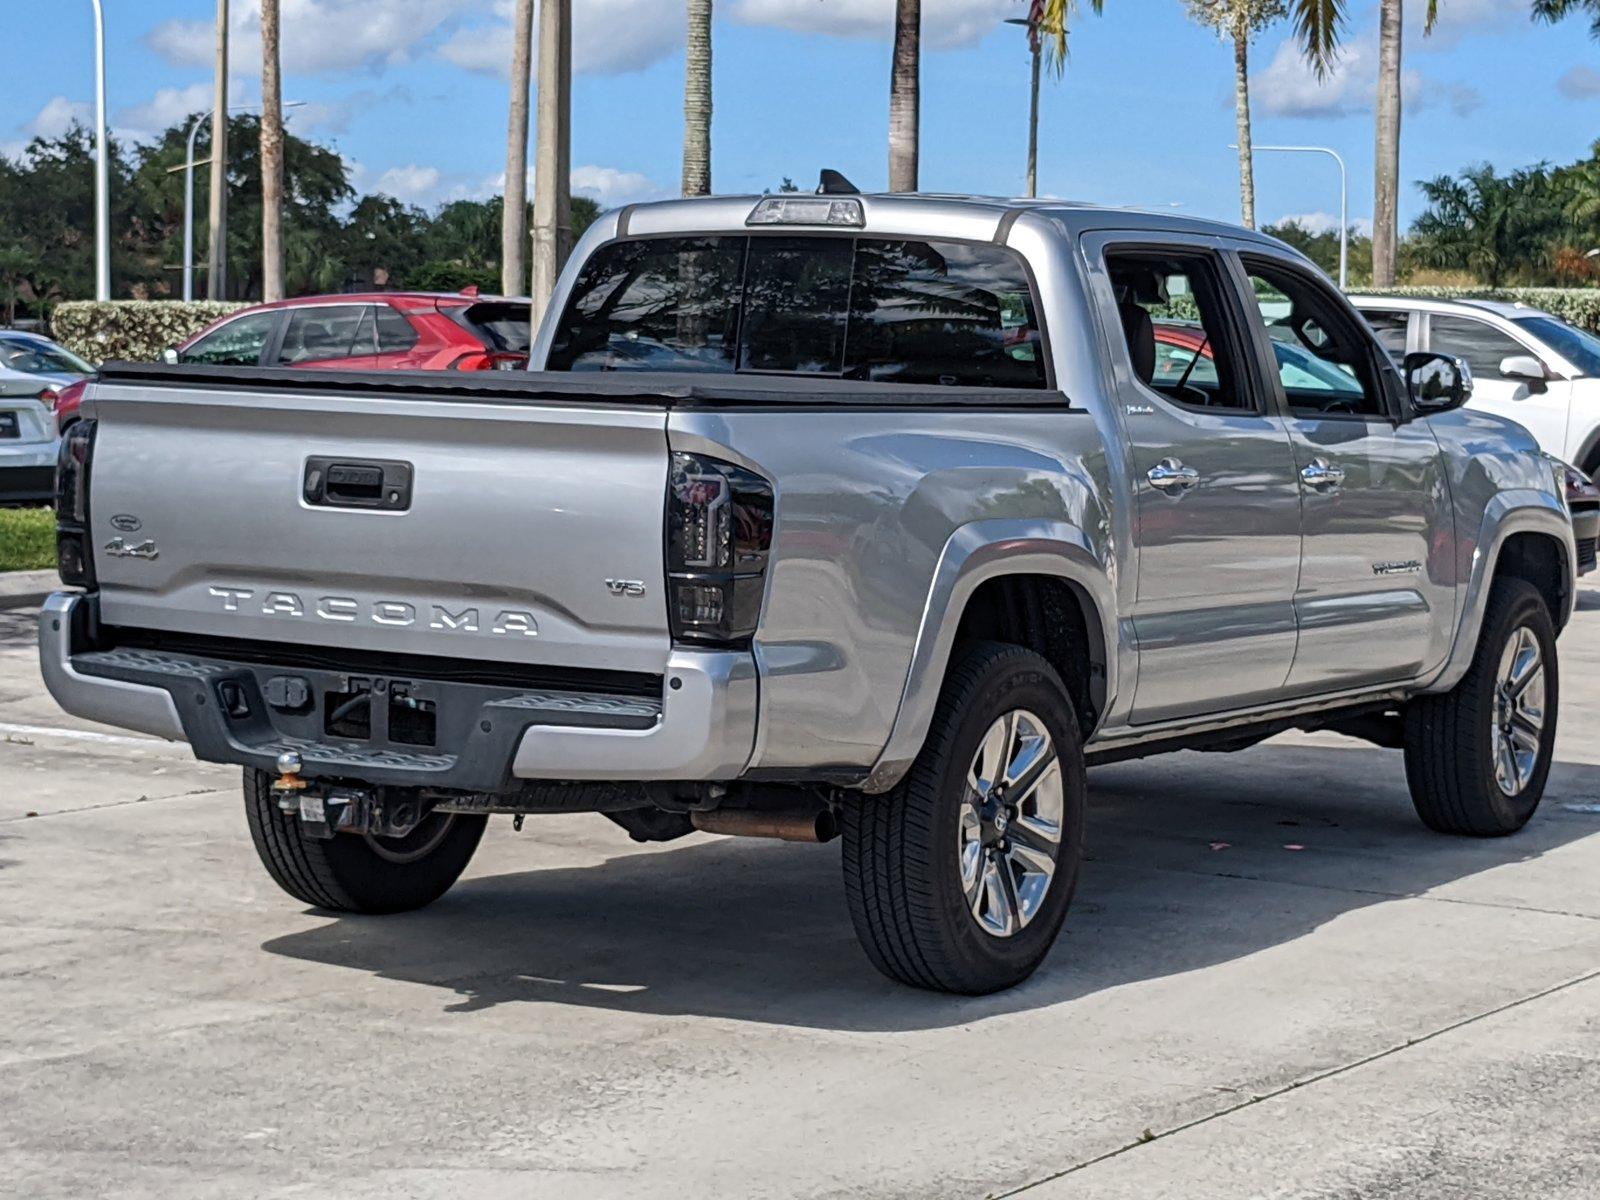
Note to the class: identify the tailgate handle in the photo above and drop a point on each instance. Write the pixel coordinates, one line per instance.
(344, 483)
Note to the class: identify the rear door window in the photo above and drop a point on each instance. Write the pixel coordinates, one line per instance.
(325, 332)
(899, 310)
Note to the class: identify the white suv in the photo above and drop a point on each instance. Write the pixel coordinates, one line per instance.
(1526, 364)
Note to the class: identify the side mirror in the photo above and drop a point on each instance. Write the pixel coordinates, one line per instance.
(1525, 368)
(1437, 383)
(169, 356)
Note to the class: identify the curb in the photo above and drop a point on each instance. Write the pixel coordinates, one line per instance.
(26, 589)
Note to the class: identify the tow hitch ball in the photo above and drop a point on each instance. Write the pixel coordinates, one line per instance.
(326, 810)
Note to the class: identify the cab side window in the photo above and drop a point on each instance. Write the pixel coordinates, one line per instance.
(1325, 360)
(1181, 336)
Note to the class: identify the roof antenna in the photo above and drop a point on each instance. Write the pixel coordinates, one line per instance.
(834, 184)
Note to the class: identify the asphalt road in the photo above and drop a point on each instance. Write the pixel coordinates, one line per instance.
(1274, 982)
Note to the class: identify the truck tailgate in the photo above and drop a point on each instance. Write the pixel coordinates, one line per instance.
(517, 517)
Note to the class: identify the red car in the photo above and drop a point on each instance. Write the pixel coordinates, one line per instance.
(373, 331)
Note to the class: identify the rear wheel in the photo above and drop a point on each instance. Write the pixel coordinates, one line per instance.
(959, 879)
(358, 873)
(1478, 756)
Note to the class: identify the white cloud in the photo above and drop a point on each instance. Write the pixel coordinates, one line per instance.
(945, 23)
(609, 37)
(57, 116)
(612, 187)
(411, 184)
(1325, 222)
(1580, 83)
(427, 186)
(163, 110)
(319, 36)
(1288, 87)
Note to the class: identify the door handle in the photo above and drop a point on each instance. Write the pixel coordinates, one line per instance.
(1171, 476)
(1321, 476)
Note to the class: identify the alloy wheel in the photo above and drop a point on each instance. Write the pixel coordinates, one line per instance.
(1010, 824)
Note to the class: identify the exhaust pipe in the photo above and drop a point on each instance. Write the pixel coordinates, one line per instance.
(811, 825)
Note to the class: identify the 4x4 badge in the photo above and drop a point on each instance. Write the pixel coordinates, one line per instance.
(118, 548)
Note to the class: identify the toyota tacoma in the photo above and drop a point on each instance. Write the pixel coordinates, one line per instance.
(870, 516)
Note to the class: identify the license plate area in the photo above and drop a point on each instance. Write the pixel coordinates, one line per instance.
(394, 710)
(10, 426)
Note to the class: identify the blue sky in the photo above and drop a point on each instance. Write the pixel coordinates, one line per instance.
(412, 93)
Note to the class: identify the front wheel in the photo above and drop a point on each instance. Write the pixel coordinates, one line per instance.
(1478, 756)
(358, 873)
(959, 878)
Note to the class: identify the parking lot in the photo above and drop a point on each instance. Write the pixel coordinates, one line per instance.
(1274, 982)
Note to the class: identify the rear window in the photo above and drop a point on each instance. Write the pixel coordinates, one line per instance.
(502, 327)
(900, 310)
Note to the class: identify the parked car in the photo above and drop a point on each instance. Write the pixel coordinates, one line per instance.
(938, 534)
(28, 443)
(1535, 368)
(1583, 498)
(377, 331)
(33, 371)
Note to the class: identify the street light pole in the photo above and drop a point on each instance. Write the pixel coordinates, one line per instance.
(188, 210)
(1033, 103)
(217, 249)
(1344, 200)
(102, 163)
(188, 193)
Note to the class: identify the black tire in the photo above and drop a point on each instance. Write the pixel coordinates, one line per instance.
(1451, 739)
(902, 866)
(349, 873)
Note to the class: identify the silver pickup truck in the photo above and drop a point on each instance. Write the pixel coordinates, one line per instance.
(872, 516)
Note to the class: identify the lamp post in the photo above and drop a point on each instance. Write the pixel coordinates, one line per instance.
(188, 193)
(1344, 200)
(1033, 104)
(102, 163)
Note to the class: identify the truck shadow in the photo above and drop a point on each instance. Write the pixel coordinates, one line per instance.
(1193, 860)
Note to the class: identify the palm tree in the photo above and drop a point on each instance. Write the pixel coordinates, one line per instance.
(271, 154)
(1318, 24)
(514, 213)
(697, 102)
(1554, 10)
(1047, 18)
(905, 99)
(1054, 22)
(1238, 20)
(1492, 225)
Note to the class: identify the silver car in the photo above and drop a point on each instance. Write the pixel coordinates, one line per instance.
(32, 370)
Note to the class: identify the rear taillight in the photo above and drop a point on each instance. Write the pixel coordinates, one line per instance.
(719, 534)
(48, 398)
(74, 560)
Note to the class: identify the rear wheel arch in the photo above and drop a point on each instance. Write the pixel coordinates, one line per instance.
(1052, 616)
(1051, 568)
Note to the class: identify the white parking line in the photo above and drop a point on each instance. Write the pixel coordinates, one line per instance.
(77, 735)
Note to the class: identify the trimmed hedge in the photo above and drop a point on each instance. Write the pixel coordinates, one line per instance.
(1580, 306)
(131, 330)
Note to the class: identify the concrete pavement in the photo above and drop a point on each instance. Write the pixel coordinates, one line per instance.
(1383, 1012)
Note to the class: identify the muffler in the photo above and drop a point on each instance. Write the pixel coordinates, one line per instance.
(810, 824)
